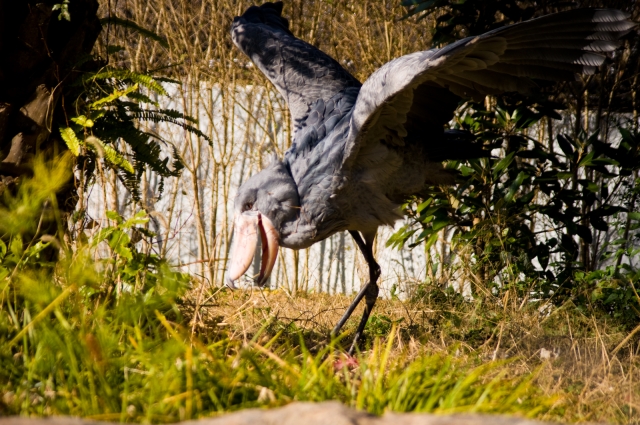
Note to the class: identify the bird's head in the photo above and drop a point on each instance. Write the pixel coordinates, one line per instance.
(263, 205)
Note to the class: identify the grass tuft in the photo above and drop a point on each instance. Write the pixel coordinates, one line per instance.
(74, 349)
(107, 338)
(119, 337)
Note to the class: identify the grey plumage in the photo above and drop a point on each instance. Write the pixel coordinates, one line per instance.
(301, 73)
(359, 150)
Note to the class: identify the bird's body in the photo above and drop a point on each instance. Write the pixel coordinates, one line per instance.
(360, 150)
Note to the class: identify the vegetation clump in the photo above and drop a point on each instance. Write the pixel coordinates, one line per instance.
(108, 339)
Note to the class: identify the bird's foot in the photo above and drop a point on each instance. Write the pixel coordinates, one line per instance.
(345, 361)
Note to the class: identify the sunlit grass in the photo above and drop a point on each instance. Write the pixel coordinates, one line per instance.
(106, 339)
(117, 338)
(74, 349)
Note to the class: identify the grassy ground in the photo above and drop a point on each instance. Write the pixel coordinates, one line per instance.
(156, 352)
(587, 367)
(127, 338)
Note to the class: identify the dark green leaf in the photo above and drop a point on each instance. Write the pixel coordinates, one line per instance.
(584, 232)
(565, 146)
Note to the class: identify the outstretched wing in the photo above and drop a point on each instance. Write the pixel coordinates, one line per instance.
(416, 95)
(300, 72)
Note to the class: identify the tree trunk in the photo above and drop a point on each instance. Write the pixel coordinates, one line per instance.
(40, 57)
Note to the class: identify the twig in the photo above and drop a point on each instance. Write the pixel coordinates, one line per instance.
(625, 340)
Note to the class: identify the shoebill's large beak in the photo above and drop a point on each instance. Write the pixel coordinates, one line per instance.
(247, 226)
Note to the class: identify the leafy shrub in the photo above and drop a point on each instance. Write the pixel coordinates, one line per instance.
(559, 208)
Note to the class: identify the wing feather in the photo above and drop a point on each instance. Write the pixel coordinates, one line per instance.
(568, 44)
(573, 68)
(573, 56)
(554, 47)
(302, 73)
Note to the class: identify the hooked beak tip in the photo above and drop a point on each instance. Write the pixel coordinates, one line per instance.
(270, 244)
(230, 283)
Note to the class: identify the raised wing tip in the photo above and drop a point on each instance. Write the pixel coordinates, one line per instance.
(609, 15)
(269, 14)
(277, 6)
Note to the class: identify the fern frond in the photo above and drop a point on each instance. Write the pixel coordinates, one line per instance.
(178, 163)
(155, 117)
(125, 23)
(70, 138)
(117, 94)
(116, 158)
(109, 153)
(126, 75)
(145, 152)
(142, 98)
(132, 183)
(177, 114)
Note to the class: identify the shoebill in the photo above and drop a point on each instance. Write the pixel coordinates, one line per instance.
(359, 150)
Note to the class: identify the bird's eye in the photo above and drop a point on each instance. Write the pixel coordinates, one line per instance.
(248, 206)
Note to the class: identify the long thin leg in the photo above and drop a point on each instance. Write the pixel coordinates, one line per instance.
(370, 299)
(369, 291)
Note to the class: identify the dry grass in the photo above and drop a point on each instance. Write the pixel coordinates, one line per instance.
(573, 356)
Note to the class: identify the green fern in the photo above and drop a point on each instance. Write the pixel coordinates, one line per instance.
(161, 116)
(115, 101)
(110, 154)
(125, 23)
(125, 76)
(177, 114)
(70, 138)
(117, 94)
